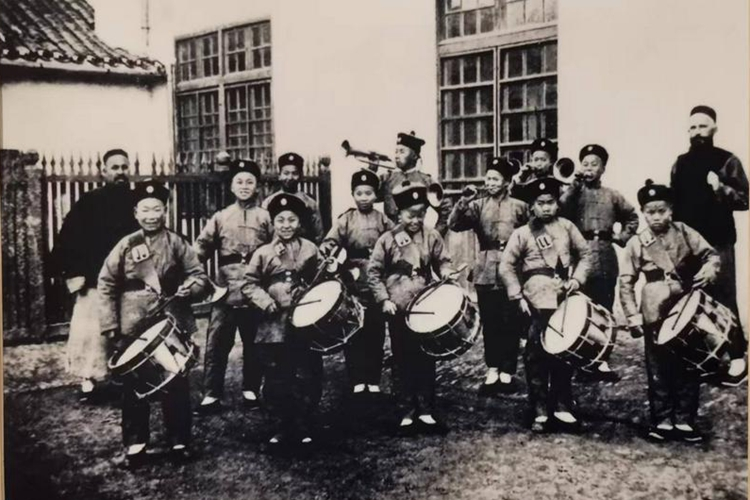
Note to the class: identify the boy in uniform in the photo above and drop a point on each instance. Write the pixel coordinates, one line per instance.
(357, 230)
(673, 258)
(543, 156)
(542, 262)
(595, 209)
(401, 266)
(277, 273)
(236, 232)
(139, 272)
(493, 217)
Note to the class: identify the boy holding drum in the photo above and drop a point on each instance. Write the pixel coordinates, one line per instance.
(542, 262)
(401, 266)
(673, 258)
(142, 269)
(277, 273)
(357, 230)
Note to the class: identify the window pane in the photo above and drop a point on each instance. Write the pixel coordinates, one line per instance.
(513, 63)
(513, 96)
(550, 124)
(550, 57)
(550, 93)
(486, 135)
(470, 22)
(470, 132)
(452, 75)
(533, 127)
(486, 70)
(470, 69)
(453, 4)
(452, 25)
(487, 20)
(470, 164)
(513, 128)
(534, 60)
(485, 100)
(470, 102)
(266, 37)
(534, 96)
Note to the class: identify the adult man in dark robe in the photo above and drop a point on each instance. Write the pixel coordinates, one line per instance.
(95, 223)
(710, 184)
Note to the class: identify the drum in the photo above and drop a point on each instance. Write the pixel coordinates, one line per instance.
(155, 358)
(697, 330)
(580, 332)
(444, 319)
(327, 316)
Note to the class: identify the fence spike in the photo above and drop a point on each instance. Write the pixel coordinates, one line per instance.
(153, 164)
(52, 164)
(72, 163)
(90, 165)
(44, 164)
(80, 163)
(170, 165)
(98, 163)
(137, 165)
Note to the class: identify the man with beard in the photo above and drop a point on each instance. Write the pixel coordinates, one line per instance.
(91, 229)
(709, 184)
(290, 171)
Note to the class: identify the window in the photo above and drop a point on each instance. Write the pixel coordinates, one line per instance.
(472, 17)
(223, 93)
(489, 108)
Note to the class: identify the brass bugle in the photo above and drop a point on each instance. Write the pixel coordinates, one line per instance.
(435, 194)
(564, 170)
(375, 163)
(369, 157)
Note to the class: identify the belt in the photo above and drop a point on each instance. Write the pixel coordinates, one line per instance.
(225, 260)
(133, 286)
(286, 277)
(491, 245)
(358, 253)
(597, 235)
(542, 271)
(659, 275)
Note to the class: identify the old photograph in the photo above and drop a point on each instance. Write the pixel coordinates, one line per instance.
(351, 249)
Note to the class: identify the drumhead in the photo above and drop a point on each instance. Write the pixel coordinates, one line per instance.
(316, 303)
(675, 323)
(137, 346)
(559, 338)
(441, 305)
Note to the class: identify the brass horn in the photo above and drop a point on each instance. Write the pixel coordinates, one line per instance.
(372, 158)
(435, 195)
(564, 170)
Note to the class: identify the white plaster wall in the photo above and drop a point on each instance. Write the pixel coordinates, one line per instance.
(630, 71)
(73, 118)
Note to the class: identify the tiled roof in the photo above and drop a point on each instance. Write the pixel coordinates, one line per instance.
(60, 34)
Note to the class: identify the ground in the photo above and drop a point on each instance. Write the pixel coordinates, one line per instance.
(58, 448)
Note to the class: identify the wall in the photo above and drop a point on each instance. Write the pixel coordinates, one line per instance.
(73, 118)
(631, 71)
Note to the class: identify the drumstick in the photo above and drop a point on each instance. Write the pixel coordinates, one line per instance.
(308, 302)
(420, 312)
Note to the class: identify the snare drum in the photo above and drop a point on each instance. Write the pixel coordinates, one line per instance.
(154, 359)
(580, 332)
(327, 316)
(697, 330)
(445, 321)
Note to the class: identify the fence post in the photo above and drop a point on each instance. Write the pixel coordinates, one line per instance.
(23, 246)
(324, 203)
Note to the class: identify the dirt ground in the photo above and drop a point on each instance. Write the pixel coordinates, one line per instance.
(58, 448)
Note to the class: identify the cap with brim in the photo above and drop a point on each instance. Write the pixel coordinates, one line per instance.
(506, 168)
(703, 109)
(545, 145)
(291, 159)
(410, 140)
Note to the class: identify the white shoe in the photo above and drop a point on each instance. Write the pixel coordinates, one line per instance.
(178, 447)
(505, 378)
(428, 419)
(405, 422)
(209, 400)
(249, 395)
(134, 449)
(541, 419)
(359, 388)
(604, 367)
(493, 375)
(373, 388)
(306, 440)
(87, 386)
(736, 368)
(565, 416)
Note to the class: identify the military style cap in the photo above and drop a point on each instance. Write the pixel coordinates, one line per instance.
(706, 110)
(654, 192)
(291, 159)
(365, 178)
(285, 201)
(150, 189)
(545, 145)
(410, 140)
(534, 189)
(506, 168)
(241, 165)
(594, 149)
(409, 194)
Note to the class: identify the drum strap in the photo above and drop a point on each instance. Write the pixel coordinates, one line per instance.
(547, 246)
(654, 249)
(145, 269)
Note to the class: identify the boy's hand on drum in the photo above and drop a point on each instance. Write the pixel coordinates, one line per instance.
(272, 308)
(572, 285)
(703, 277)
(389, 307)
(111, 334)
(524, 306)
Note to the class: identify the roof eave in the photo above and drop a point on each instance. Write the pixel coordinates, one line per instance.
(84, 69)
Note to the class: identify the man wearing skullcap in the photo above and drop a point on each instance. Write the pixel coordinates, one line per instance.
(291, 167)
(673, 258)
(95, 223)
(543, 154)
(235, 232)
(709, 184)
(493, 217)
(543, 261)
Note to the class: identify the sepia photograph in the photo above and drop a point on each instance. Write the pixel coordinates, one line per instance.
(351, 249)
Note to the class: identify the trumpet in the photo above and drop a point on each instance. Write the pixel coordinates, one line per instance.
(564, 170)
(371, 158)
(435, 195)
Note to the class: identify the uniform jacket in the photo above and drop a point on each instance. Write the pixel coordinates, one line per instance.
(697, 205)
(678, 253)
(493, 219)
(235, 231)
(395, 178)
(312, 226)
(276, 273)
(130, 287)
(358, 232)
(537, 246)
(94, 225)
(597, 208)
(401, 264)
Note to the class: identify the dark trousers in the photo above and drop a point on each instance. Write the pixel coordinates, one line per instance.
(414, 371)
(725, 291)
(175, 403)
(501, 328)
(548, 378)
(293, 384)
(225, 320)
(364, 352)
(601, 289)
(673, 389)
